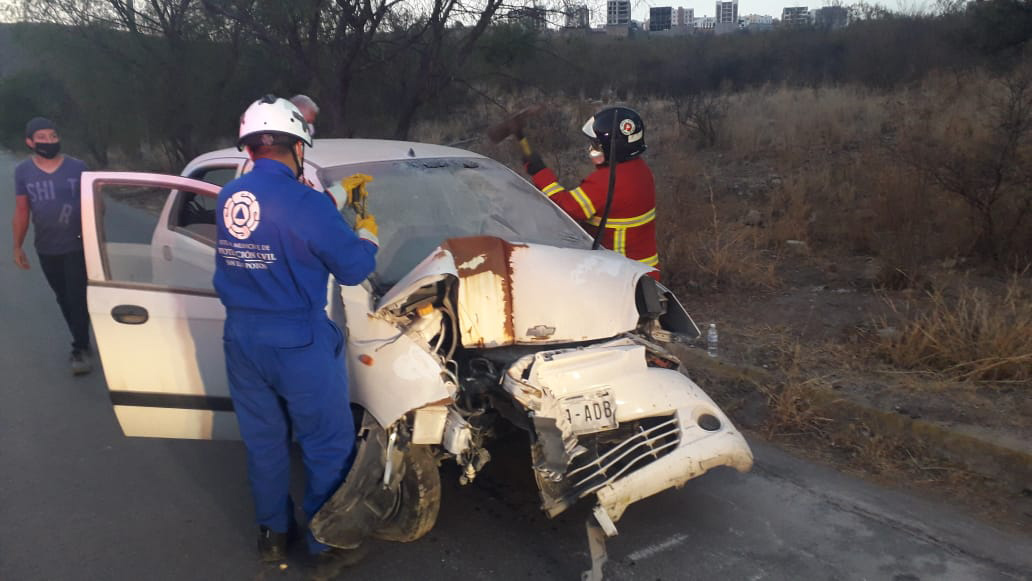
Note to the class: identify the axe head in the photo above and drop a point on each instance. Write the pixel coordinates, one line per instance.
(513, 125)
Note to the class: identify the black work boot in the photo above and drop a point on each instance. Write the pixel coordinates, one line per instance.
(272, 546)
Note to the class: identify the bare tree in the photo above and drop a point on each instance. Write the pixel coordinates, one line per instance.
(442, 52)
(702, 114)
(991, 174)
(161, 33)
(328, 41)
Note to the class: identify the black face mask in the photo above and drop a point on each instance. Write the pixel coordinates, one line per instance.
(48, 150)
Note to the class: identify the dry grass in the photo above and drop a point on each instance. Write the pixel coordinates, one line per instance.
(722, 255)
(819, 165)
(973, 335)
(792, 412)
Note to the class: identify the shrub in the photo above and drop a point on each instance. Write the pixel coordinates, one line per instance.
(974, 335)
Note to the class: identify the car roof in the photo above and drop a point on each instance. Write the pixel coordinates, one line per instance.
(330, 152)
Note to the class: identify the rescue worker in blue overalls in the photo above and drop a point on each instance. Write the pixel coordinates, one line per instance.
(278, 242)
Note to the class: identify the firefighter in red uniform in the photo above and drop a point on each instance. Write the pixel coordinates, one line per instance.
(631, 226)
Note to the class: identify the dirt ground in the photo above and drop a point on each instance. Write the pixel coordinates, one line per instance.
(818, 328)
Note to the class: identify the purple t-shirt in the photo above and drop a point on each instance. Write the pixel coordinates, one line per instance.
(54, 201)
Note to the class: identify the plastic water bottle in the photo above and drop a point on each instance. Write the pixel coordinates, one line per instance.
(711, 340)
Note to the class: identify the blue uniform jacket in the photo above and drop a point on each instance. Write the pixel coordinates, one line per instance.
(278, 241)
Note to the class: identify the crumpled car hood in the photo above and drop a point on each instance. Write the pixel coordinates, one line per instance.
(512, 294)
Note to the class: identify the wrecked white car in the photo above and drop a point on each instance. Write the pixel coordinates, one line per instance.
(487, 309)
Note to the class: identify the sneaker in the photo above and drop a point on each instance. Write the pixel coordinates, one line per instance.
(328, 564)
(81, 364)
(272, 546)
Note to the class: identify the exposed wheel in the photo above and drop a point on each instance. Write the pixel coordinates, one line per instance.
(419, 500)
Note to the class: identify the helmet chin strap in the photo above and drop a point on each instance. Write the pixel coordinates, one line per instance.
(299, 162)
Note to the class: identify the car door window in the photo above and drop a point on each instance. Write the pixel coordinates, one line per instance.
(194, 215)
(135, 250)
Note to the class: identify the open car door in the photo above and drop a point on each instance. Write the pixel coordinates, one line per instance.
(149, 245)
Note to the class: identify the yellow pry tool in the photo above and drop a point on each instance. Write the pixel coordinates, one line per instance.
(355, 188)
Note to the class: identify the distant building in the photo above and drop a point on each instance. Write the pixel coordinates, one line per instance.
(832, 17)
(705, 23)
(578, 17)
(532, 17)
(685, 17)
(795, 16)
(757, 23)
(726, 17)
(661, 18)
(727, 12)
(618, 12)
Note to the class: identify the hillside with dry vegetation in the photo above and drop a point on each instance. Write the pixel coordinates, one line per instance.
(872, 244)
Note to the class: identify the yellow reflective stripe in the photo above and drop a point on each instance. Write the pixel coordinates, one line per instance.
(635, 221)
(583, 201)
(552, 189)
(650, 261)
(625, 223)
(620, 241)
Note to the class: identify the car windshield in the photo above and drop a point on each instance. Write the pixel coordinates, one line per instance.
(420, 203)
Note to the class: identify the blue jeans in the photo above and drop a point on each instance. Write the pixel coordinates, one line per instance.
(287, 371)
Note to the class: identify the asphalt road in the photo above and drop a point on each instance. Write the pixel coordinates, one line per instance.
(79, 501)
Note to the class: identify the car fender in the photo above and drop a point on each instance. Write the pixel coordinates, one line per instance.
(390, 373)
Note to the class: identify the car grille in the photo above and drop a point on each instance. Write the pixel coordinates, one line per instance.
(650, 440)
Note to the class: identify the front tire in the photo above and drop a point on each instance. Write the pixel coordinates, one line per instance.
(419, 498)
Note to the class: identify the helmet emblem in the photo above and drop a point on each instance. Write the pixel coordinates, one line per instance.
(241, 214)
(627, 127)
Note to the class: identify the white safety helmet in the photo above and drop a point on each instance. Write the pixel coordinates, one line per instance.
(273, 120)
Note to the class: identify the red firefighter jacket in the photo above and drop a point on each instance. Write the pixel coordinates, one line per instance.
(631, 227)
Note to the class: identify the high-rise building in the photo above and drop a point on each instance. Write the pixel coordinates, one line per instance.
(727, 11)
(685, 17)
(660, 18)
(726, 17)
(578, 17)
(795, 16)
(618, 12)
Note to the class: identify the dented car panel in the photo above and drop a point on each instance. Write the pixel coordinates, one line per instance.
(696, 454)
(564, 295)
(434, 268)
(507, 292)
(485, 290)
(390, 372)
(688, 434)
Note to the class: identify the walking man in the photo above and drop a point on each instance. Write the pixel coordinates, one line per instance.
(278, 242)
(46, 189)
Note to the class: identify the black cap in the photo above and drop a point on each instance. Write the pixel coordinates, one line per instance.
(38, 124)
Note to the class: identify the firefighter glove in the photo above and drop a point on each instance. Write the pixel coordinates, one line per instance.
(367, 229)
(355, 187)
(533, 163)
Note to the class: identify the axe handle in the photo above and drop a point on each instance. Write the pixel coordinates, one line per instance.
(525, 146)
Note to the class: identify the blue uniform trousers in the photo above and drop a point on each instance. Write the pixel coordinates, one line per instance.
(287, 371)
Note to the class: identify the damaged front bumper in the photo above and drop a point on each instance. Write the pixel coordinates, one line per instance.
(667, 430)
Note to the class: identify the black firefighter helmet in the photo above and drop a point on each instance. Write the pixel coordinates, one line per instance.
(630, 132)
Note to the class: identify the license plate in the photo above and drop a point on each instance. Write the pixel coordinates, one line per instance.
(593, 412)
